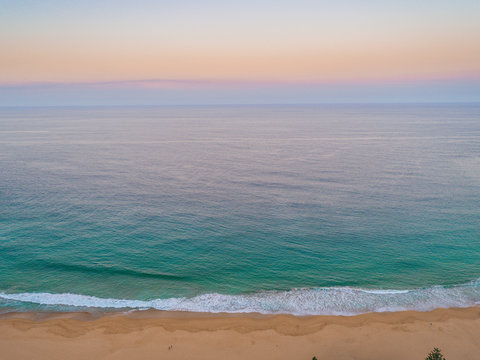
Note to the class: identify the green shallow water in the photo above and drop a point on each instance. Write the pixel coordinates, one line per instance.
(145, 203)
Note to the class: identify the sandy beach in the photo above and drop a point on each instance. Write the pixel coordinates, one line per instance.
(183, 335)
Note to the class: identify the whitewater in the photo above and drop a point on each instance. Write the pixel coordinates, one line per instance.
(319, 301)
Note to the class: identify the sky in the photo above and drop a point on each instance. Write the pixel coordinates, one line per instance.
(145, 52)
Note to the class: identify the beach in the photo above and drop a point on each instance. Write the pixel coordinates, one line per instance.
(185, 335)
(271, 180)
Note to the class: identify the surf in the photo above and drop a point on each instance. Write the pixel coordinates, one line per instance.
(345, 301)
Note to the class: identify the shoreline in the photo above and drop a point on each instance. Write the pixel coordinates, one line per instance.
(155, 334)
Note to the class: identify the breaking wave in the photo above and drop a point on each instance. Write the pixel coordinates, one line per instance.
(313, 301)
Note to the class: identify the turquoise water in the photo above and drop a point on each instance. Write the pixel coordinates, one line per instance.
(299, 209)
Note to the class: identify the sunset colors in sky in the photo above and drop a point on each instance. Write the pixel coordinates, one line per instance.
(175, 52)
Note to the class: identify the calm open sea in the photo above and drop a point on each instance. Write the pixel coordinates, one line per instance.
(292, 209)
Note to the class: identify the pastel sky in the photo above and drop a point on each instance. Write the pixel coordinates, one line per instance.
(173, 52)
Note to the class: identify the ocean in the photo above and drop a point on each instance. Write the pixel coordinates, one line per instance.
(301, 209)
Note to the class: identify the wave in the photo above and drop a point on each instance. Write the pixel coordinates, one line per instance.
(107, 270)
(316, 301)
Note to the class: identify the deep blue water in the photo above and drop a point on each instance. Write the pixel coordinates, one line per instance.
(300, 209)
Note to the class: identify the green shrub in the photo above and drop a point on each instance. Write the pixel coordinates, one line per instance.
(435, 354)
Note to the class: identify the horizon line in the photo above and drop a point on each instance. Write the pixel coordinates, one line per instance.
(250, 104)
(241, 82)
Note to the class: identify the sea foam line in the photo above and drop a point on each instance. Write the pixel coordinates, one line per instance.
(317, 301)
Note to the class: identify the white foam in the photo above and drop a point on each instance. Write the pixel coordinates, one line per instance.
(385, 291)
(318, 301)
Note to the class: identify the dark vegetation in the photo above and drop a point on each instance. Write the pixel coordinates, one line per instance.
(435, 354)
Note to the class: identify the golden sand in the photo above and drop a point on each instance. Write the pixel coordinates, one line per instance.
(181, 335)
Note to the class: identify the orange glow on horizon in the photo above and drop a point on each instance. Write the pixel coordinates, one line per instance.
(303, 65)
(354, 43)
